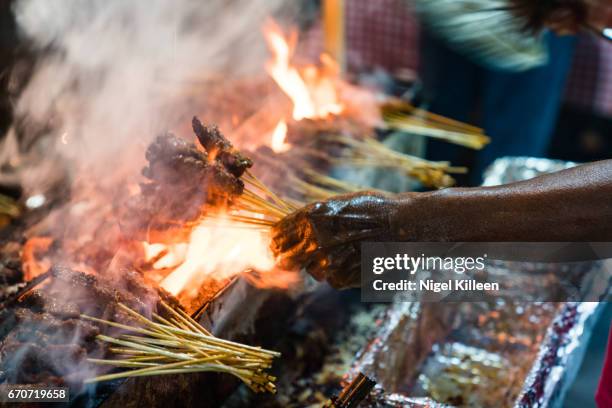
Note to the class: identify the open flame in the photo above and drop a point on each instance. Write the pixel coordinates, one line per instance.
(279, 136)
(217, 249)
(33, 259)
(312, 90)
(221, 249)
(213, 250)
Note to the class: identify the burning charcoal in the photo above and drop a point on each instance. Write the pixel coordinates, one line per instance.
(220, 148)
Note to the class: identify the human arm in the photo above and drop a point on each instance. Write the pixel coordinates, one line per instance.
(325, 237)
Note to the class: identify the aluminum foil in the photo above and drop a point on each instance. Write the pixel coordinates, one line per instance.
(509, 169)
(560, 356)
(500, 354)
(520, 354)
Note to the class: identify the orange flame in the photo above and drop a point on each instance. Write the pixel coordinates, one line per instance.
(279, 135)
(33, 260)
(216, 249)
(313, 91)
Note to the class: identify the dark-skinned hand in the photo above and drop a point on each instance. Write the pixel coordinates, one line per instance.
(324, 238)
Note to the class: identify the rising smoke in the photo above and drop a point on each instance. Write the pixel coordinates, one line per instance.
(100, 83)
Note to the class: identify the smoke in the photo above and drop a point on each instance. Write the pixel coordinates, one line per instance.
(101, 82)
(99, 93)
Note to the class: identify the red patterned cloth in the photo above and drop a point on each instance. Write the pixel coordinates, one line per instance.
(590, 82)
(604, 390)
(379, 34)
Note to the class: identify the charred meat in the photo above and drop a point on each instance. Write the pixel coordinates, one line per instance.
(43, 338)
(221, 149)
(183, 182)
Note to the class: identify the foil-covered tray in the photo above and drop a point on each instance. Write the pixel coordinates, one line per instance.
(498, 353)
(509, 169)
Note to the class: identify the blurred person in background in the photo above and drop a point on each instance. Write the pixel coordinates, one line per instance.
(584, 129)
(518, 110)
(502, 66)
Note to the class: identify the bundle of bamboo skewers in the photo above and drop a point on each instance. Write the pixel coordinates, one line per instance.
(259, 204)
(179, 344)
(341, 141)
(369, 152)
(255, 203)
(400, 115)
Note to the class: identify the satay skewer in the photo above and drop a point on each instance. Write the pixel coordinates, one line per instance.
(181, 345)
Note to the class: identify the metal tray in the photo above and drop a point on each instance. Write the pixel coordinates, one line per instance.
(498, 353)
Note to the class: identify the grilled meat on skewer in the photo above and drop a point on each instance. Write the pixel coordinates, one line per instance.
(182, 182)
(179, 164)
(221, 149)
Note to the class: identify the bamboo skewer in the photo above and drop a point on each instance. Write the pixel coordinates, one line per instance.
(242, 218)
(401, 115)
(251, 210)
(272, 209)
(181, 345)
(337, 184)
(255, 181)
(409, 124)
(402, 107)
(370, 152)
(423, 119)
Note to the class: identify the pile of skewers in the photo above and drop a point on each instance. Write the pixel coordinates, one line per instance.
(179, 344)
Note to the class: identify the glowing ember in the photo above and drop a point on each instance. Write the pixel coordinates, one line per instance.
(312, 92)
(33, 257)
(217, 249)
(165, 256)
(279, 135)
